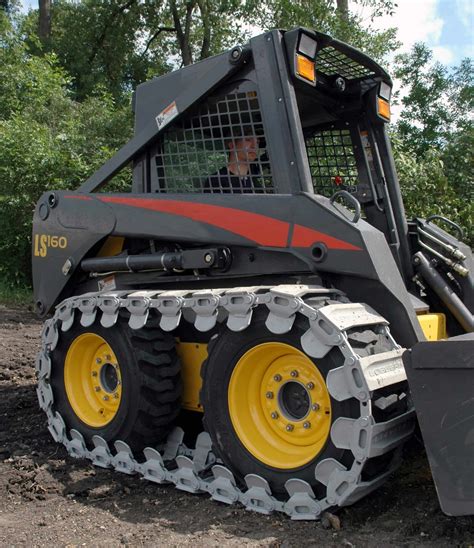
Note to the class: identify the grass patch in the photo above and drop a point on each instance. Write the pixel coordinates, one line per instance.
(15, 296)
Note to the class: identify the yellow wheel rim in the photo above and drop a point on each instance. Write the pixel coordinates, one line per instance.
(279, 405)
(92, 380)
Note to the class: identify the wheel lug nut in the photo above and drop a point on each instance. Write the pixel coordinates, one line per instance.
(116, 396)
(94, 373)
(98, 361)
(289, 427)
(269, 395)
(310, 386)
(315, 407)
(106, 398)
(277, 378)
(108, 357)
(97, 388)
(307, 425)
(274, 415)
(294, 373)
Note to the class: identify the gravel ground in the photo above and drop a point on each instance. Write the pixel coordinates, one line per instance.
(48, 498)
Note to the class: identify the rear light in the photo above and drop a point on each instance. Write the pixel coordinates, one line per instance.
(385, 91)
(307, 46)
(305, 68)
(383, 108)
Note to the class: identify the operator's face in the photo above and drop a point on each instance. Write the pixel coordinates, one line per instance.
(246, 149)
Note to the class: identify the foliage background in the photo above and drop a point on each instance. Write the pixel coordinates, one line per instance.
(66, 83)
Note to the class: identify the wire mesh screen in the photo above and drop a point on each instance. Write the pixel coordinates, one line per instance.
(331, 161)
(220, 148)
(333, 62)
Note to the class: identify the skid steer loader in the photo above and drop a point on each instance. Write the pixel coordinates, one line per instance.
(249, 319)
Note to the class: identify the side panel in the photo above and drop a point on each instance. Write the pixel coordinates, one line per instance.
(305, 226)
(77, 225)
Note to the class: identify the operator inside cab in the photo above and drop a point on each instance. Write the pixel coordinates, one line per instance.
(242, 174)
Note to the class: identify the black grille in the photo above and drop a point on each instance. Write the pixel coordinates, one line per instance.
(220, 148)
(331, 160)
(332, 62)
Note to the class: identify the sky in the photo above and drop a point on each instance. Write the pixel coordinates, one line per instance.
(447, 26)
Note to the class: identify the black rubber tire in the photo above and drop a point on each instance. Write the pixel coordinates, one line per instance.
(151, 383)
(225, 351)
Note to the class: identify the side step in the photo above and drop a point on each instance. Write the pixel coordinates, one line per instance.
(441, 379)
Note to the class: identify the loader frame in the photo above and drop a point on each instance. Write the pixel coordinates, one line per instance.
(322, 214)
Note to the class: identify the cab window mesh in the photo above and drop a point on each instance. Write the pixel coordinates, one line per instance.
(331, 161)
(332, 62)
(220, 148)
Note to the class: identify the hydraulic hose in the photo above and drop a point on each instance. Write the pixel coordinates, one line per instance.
(436, 282)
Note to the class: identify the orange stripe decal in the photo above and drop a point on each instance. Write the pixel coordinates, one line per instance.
(261, 229)
(306, 237)
(253, 226)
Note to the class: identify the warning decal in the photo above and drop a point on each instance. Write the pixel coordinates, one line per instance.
(166, 115)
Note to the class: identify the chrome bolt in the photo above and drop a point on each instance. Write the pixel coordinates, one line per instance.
(94, 373)
(106, 398)
(310, 386)
(294, 373)
(269, 395)
(208, 258)
(289, 427)
(274, 415)
(306, 425)
(315, 407)
(119, 382)
(97, 388)
(277, 378)
(98, 361)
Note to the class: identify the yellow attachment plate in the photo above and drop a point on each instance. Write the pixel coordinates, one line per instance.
(279, 405)
(191, 356)
(433, 325)
(113, 245)
(92, 380)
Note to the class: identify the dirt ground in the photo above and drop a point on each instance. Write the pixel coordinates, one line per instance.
(47, 498)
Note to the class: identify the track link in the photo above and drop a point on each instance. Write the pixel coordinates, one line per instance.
(197, 470)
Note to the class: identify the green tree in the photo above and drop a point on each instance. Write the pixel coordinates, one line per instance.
(119, 44)
(435, 136)
(47, 140)
(437, 102)
(95, 42)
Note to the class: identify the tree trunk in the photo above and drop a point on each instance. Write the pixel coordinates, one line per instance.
(183, 35)
(343, 10)
(44, 20)
(206, 26)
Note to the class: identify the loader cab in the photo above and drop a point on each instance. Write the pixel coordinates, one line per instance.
(317, 109)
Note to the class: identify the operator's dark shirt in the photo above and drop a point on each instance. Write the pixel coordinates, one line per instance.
(226, 182)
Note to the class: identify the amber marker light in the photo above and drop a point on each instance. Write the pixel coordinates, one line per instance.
(383, 108)
(305, 68)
